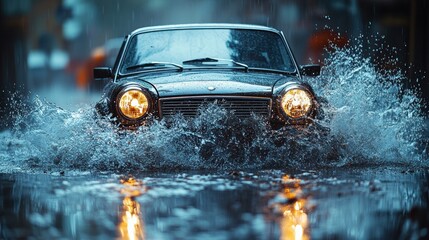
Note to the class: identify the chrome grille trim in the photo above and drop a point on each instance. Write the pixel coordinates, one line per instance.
(242, 106)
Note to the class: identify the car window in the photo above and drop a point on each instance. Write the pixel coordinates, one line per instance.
(255, 48)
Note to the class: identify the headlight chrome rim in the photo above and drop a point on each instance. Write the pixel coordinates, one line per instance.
(136, 90)
(306, 112)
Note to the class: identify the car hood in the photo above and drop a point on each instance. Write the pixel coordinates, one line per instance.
(213, 83)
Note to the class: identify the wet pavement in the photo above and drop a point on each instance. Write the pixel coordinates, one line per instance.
(371, 202)
(366, 178)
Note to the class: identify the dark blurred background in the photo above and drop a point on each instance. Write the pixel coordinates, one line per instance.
(49, 47)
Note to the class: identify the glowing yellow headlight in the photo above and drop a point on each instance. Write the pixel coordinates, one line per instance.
(296, 103)
(133, 104)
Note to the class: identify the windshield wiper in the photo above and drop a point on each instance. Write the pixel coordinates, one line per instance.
(209, 59)
(155, 64)
(273, 71)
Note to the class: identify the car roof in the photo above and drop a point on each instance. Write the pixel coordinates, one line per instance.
(203, 26)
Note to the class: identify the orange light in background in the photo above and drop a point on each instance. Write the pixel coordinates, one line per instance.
(84, 71)
(131, 225)
(294, 220)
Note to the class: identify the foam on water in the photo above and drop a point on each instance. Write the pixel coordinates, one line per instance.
(370, 120)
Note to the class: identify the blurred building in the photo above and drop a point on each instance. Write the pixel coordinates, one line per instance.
(48, 42)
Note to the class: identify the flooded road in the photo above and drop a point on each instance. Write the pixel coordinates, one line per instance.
(358, 172)
(342, 203)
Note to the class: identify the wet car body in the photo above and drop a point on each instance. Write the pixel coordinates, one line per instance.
(176, 72)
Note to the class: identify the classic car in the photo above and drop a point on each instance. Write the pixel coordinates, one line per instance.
(247, 69)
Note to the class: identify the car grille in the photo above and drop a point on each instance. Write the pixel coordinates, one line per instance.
(240, 106)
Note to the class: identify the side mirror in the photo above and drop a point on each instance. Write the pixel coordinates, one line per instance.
(102, 73)
(311, 70)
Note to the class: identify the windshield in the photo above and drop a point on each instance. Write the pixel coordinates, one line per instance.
(254, 48)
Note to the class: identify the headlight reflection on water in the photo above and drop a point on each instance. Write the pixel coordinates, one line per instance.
(294, 220)
(131, 225)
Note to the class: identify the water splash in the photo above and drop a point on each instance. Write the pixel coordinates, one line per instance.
(369, 117)
(369, 110)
